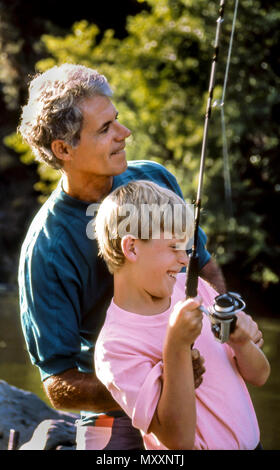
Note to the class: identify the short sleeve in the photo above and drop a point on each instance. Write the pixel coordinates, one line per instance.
(147, 398)
(50, 307)
(133, 380)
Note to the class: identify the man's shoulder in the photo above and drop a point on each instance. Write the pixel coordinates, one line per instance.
(42, 235)
(145, 165)
(148, 170)
(46, 226)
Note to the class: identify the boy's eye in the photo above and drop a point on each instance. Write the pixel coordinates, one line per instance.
(179, 246)
(175, 247)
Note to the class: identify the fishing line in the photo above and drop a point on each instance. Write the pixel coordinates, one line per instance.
(222, 313)
(221, 104)
(192, 271)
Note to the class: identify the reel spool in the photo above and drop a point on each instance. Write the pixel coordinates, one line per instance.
(222, 314)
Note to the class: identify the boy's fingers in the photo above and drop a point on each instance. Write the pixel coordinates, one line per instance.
(258, 339)
(260, 343)
(192, 304)
(257, 336)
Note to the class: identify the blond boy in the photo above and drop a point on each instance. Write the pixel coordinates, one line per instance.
(143, 353)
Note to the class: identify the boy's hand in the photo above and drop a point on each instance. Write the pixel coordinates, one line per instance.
(185, 323)
(198, 367)
(246, 329)
(246, 341)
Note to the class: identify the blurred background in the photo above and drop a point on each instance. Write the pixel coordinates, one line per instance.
(157, 56)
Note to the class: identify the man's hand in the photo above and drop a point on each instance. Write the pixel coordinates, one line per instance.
(198, 367)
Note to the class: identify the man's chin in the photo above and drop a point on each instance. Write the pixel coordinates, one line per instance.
(121, 168)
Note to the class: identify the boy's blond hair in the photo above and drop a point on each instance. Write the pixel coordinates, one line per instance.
(151, 208)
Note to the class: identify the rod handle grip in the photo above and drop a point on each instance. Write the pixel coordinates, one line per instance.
(192, 276)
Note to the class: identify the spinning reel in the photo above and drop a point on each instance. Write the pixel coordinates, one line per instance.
(222, 314)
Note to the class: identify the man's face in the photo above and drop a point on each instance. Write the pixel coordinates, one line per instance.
(102, 141)
(159, 261)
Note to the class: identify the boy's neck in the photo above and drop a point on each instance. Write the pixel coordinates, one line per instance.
(133, 299)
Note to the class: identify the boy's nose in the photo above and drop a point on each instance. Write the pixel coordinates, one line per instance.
(182, 257)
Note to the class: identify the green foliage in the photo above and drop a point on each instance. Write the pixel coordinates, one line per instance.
(160, 74)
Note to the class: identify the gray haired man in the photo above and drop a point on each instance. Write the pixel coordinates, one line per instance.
(72, 125)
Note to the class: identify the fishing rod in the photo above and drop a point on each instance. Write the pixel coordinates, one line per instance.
(222, 313)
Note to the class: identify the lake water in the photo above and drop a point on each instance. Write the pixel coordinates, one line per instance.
(16, 369)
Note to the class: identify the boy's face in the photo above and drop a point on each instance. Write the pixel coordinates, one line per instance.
(158, 263)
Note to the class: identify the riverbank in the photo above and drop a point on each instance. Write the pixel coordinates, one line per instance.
(39, 426)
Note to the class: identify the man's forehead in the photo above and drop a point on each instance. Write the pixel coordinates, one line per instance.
(98, 109)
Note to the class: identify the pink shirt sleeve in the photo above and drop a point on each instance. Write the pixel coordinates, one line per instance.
(133, 380)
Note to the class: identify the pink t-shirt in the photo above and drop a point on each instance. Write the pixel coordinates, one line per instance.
(128, 360)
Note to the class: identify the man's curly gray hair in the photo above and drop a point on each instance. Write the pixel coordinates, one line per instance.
(52, 111)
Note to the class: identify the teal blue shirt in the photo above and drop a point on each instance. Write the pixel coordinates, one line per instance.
(64, 286)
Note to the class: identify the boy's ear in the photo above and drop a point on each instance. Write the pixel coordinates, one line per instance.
(128, 247)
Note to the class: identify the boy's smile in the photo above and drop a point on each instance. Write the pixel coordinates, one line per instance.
(159, 262)
(151, 277)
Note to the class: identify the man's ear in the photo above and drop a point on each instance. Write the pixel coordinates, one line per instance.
(61, 149)
(128, 247)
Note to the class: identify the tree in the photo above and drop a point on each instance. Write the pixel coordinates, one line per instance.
(160, 74)
(21, 25)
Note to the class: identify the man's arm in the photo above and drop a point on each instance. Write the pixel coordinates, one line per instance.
(212, 273)
(75, 390)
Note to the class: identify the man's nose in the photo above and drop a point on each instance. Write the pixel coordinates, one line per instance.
(123, 131)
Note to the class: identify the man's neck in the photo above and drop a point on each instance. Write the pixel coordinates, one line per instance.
(90, 189)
